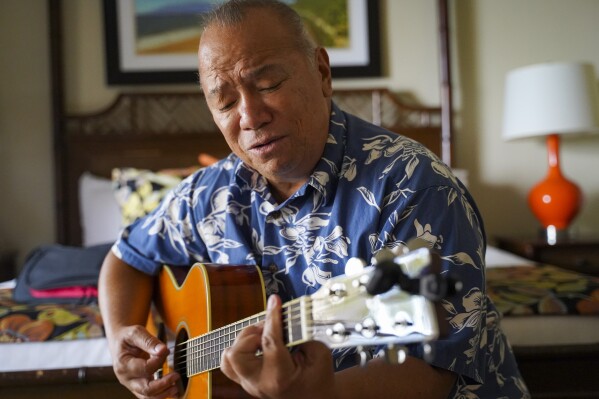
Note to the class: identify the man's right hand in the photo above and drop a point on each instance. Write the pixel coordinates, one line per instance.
(137, 355)
(125, 295)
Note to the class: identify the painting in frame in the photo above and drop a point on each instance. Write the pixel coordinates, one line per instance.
(155, 41)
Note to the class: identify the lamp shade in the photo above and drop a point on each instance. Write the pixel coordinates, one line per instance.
(553, 98)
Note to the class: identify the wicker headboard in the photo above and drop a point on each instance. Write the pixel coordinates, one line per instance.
(166, 130)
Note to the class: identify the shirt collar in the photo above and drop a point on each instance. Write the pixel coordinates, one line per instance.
(326, 174)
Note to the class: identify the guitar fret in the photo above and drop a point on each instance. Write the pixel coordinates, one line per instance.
(204, 352)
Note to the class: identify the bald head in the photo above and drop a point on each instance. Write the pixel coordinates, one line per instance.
(234, 12)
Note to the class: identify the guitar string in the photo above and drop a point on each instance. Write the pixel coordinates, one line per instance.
(205, 362)
(261, 316)
(208, 361)
(197, 342)
(204, 356)
(209, 349)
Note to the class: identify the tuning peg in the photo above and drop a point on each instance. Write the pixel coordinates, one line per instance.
(395, 355)
(338, 332)
(428, 353)
(354, 266)
(365, 355)
(367, 328)
(437, 287)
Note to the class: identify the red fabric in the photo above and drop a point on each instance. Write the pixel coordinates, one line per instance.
(66, 292)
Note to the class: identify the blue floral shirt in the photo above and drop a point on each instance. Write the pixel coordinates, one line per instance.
(371, 189)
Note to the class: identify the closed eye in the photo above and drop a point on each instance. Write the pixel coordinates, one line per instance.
(270, 88)
(227, 107)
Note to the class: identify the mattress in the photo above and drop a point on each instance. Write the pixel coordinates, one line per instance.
(544, 319)
(47, 337)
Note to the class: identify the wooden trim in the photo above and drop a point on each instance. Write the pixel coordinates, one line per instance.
(83, 375)
(445, 77)
(57, 98)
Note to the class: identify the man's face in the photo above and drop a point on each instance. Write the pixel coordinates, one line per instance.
(270, 102)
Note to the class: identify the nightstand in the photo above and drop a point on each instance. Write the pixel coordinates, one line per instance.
(7, 264)
(580, 255)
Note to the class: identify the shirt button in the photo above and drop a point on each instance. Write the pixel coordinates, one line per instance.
(273, 268)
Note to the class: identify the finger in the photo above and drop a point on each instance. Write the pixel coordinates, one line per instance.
(164, 387)
(277, 359)
(155, 352)
(239, 361)
(139, 337)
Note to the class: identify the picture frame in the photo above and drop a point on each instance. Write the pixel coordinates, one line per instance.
(125, 66)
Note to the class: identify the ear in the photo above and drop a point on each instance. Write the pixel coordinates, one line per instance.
(324, 67)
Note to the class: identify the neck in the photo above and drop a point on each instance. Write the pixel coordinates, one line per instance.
(203, 353)
(282, 192)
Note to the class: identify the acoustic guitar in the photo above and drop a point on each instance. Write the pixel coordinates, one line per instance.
(204, 308)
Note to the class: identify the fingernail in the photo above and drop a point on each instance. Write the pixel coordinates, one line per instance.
(272, 301)
(157, 348)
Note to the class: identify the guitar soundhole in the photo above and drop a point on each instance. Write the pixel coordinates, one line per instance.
(180, 357)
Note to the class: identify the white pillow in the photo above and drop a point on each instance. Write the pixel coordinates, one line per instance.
(496, 257)
(100, 213)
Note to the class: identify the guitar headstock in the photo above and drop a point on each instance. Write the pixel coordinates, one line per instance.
(345, 312)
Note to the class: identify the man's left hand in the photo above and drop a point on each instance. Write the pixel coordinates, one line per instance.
(277, 373)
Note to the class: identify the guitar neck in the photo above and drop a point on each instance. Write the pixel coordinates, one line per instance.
(204, 351)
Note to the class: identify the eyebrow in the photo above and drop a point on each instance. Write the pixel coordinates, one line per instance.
(252, 74)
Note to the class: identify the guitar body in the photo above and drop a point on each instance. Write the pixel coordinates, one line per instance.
(194, 301)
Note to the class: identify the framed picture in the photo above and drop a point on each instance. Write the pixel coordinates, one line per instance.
(152, 42)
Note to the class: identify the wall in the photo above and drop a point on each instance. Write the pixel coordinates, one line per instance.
(494, 37)
(26, 177)
(489, 38)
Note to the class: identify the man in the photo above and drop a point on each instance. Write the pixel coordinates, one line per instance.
(307, 187)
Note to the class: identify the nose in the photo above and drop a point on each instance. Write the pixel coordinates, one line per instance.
(253, 111)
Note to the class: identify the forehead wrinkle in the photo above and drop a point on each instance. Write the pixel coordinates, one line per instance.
(246, 74)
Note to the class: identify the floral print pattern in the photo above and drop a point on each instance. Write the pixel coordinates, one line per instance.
(49, 322)
(372, 189)
(546, 290)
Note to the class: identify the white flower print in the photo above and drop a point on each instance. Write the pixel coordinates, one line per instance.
(425, 233)
(349, 168)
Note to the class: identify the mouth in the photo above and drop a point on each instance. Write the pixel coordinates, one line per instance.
(265, 145)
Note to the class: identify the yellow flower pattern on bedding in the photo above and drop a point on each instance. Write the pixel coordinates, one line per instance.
(546, 290)
(35, 323)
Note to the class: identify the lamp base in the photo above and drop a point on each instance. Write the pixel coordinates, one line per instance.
(552, 235)
(555, 201)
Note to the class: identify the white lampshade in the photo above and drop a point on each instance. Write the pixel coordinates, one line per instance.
(554, 98)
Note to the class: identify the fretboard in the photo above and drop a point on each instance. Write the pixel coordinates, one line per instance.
(204, 352)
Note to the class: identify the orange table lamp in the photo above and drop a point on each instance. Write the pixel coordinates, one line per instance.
(555, 201)
(551, 100)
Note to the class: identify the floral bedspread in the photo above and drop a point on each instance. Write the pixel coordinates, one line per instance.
(29, 323)
(544, 290)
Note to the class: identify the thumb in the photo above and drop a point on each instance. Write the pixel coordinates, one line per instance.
(151, 352)
(140, 338)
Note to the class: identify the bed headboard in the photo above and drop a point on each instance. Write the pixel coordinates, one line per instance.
(168, 130)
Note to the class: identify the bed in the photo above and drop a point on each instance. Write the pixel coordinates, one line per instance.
(142, 138)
